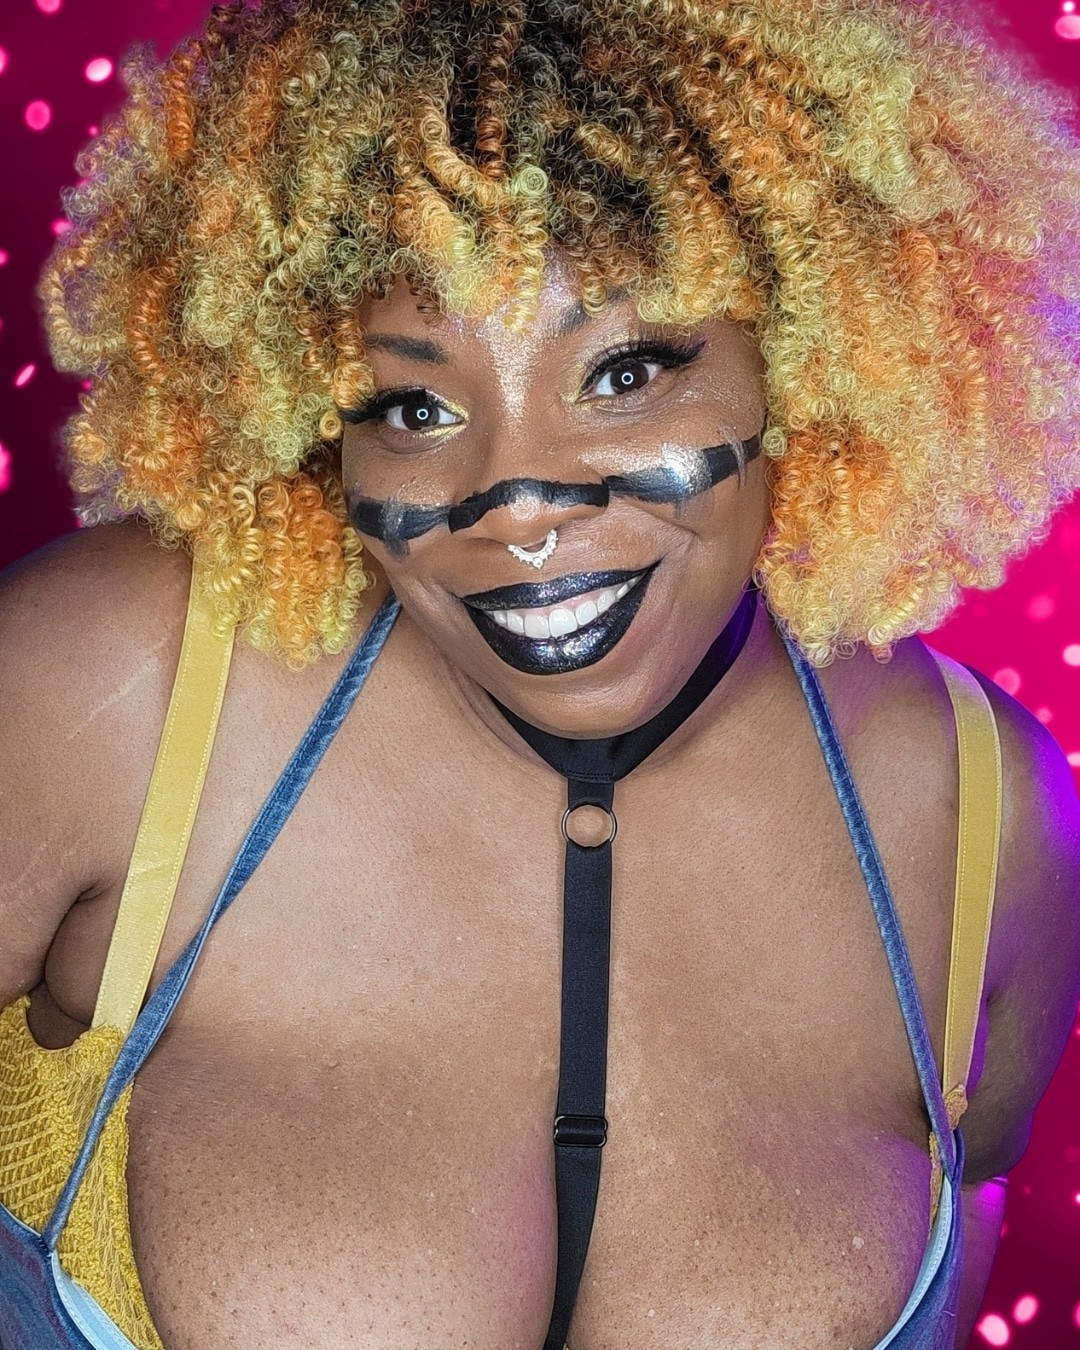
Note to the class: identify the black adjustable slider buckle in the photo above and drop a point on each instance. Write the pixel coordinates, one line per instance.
(590, 1131)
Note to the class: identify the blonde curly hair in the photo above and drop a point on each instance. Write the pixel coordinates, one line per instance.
(884, 196)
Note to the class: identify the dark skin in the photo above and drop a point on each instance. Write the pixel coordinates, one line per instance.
(345, 1133)
(520, 410)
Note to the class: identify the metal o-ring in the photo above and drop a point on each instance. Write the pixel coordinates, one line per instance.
(606, 809)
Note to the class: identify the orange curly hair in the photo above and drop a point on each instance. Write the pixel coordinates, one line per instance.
(884, 196)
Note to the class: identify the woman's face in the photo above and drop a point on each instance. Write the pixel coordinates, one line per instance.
(618, 436)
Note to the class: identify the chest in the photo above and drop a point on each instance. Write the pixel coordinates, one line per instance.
(344, 1136)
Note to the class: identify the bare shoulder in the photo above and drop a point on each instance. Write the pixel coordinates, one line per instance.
(90, 629)
(1031, 994)
(1037, 906)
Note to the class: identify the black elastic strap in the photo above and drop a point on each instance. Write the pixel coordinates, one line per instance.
(591, 768)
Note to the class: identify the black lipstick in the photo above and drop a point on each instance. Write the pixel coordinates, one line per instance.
(556, 656)
(533, 594)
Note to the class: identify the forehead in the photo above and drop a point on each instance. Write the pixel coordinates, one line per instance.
(558, 311)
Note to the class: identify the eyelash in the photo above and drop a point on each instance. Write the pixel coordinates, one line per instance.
(669, 353)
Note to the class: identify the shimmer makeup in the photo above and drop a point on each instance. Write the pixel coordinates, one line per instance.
(550, 627)
(678, 477)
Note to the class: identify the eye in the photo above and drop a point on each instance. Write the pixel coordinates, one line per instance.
(417, 412)
(630, 374)
(635, 365)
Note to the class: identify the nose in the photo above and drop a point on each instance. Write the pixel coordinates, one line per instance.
(523, 511)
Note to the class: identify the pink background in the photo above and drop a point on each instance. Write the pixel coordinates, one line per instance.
(1026, 635)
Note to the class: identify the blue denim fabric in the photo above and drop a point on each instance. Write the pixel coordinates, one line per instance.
(41, 1308)
(928, 1321)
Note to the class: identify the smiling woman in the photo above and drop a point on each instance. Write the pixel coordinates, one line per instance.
(578, 380)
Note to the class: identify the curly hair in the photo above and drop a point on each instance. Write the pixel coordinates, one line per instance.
(884, 195)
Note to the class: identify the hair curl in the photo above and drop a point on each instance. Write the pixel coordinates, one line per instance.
(885, 196)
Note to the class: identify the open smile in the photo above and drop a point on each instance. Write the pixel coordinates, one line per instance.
(550, 627)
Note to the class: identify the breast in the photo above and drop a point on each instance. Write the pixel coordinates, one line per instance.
(344, 1136)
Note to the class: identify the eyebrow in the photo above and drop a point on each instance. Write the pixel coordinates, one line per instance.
(413, 348)
(429, 352)
(571, 319)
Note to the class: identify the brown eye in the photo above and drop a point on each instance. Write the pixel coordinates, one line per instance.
(417, 412)
(628, 376)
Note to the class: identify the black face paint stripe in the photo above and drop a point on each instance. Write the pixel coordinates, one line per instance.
(395, 523)
(473, 508)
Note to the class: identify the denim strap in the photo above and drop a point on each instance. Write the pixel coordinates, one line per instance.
(275, 810)
(877, 884)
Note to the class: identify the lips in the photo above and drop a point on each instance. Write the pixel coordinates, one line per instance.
(575, 650)
(534, 594)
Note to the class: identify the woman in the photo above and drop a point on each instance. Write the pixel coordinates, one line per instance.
(580, 380)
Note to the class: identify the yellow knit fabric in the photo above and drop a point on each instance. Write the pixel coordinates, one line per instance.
(46, 1100)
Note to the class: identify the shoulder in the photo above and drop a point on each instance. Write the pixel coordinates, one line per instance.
(1032, 990)
(90, 629)
(1032, 985)
(1037, 906)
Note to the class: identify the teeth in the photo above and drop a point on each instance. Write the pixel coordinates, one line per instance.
(562, 620)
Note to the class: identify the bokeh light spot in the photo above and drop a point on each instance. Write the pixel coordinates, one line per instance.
(1074, 759)
(1040, 607)
(1076, 1315)
(100, 68)
(1067, 6)
(25, 375)
(5, 469)
(993, 1329)
(38, 115)
(1008, 679)
(1067, 26)
(1025, 1308)
(3, 60)
(4, 256)
(59, 226)
(48, 6)
(1071, 654)
(1045, 715)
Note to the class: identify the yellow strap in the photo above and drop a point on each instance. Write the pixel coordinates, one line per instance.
(979, 752)
(172, 800)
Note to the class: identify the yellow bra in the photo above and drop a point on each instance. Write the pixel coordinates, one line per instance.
(48, 1096)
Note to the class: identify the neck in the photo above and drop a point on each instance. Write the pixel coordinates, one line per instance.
(726, 704)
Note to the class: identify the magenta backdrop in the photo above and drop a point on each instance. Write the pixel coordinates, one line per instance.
(1026, 634)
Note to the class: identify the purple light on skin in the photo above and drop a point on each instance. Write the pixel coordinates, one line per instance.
(38, 115)
(5, 469)
(100, 68)
(25, 375)
(1067, 26)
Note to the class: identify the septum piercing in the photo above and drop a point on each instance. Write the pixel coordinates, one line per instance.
(539, 558)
